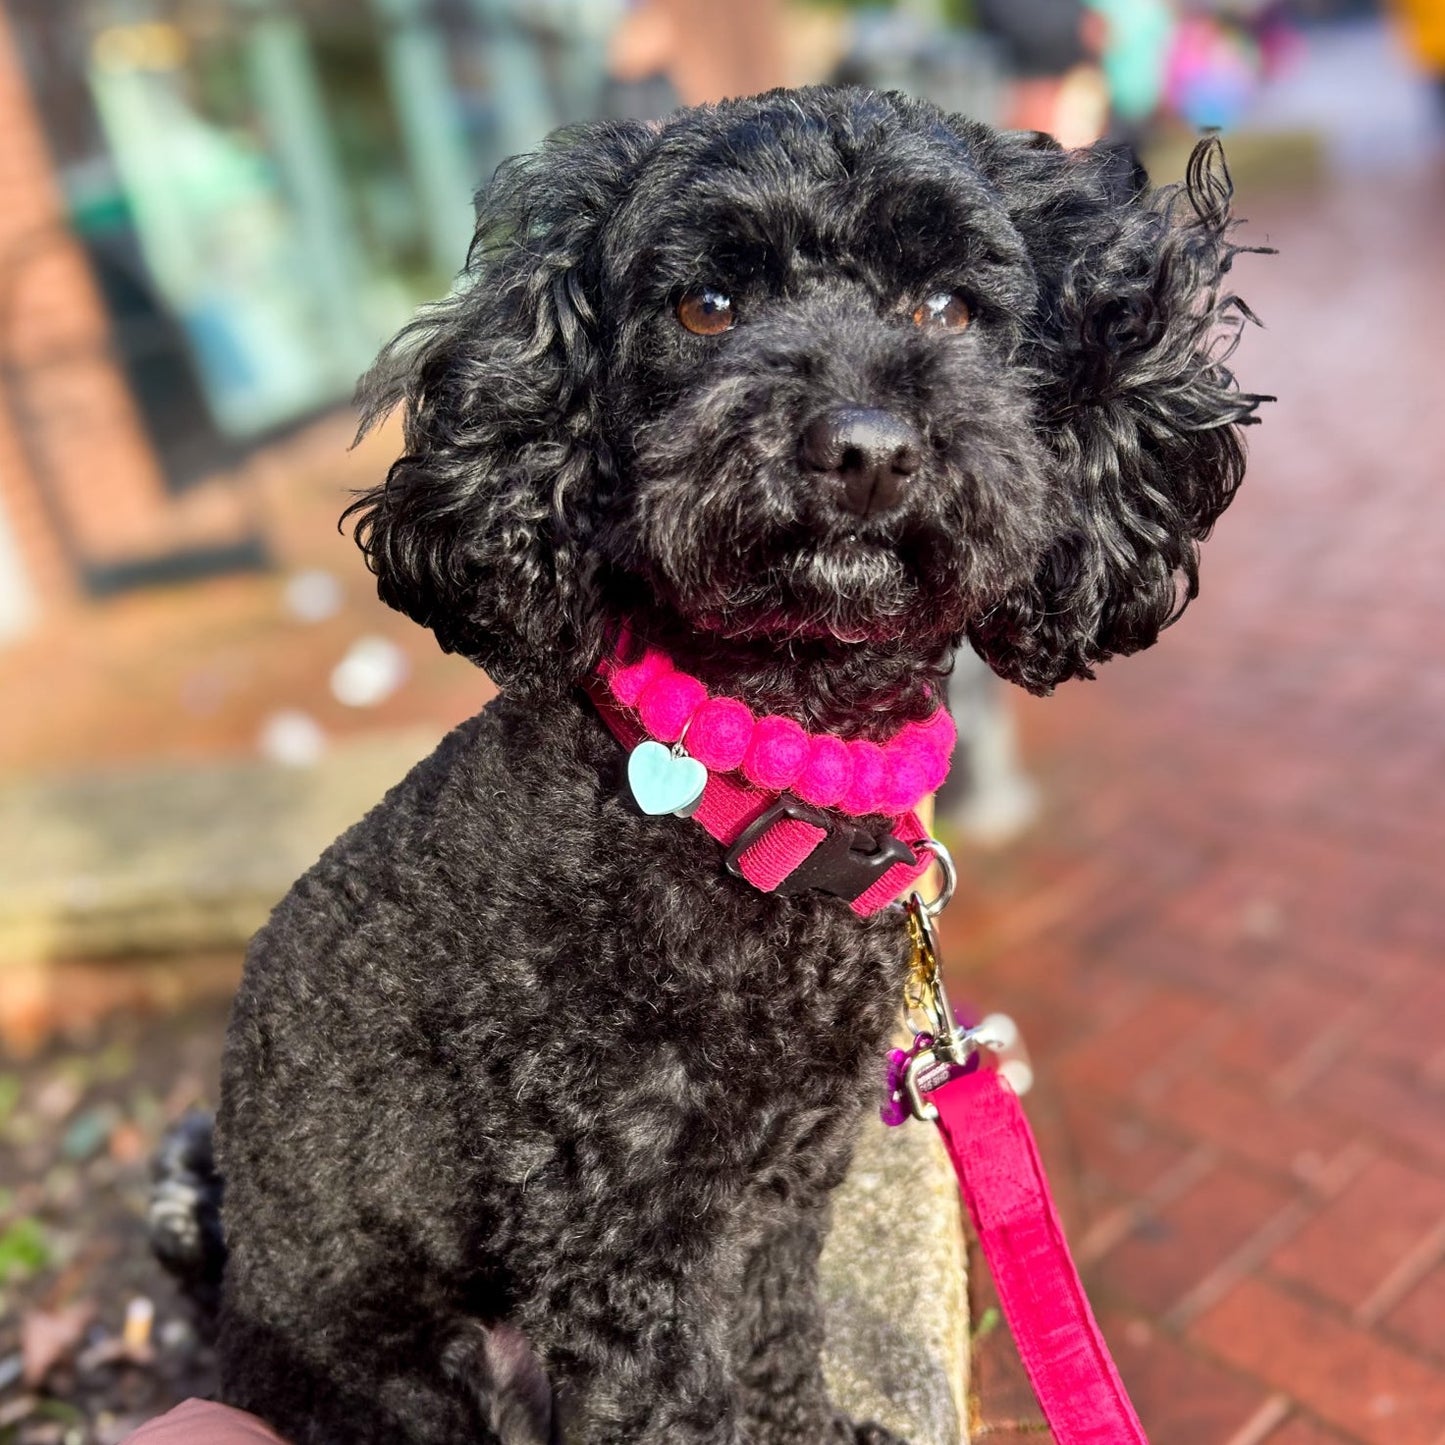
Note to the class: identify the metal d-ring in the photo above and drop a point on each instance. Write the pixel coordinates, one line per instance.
(944, 859)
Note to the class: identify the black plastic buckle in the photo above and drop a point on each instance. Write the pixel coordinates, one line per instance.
(846, 863)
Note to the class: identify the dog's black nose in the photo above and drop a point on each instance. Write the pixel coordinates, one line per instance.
(871, 452)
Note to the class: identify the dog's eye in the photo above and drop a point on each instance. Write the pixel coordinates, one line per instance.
(946, 311)
(706, 312)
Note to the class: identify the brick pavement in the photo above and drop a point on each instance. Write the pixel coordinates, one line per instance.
(1224, 938)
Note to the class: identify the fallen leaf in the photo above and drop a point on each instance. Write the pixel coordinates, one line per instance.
(185, 1093)
(63, 1188)
(57, 1098)
(89, 1132)
(9, 1096)
(48, 1337)
(116, 1061)
(12, 1412)
(127, 1144)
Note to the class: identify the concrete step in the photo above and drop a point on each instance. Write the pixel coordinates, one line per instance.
(161, 860)
(894, 1277)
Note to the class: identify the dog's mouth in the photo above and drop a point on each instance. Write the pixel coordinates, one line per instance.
(851, 588)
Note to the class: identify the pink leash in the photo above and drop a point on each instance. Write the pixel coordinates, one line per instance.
(1002, 1180)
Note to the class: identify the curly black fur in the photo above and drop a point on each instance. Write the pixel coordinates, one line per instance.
(530, 1112)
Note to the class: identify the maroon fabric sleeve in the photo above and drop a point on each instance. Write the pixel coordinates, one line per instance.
(199, 1422)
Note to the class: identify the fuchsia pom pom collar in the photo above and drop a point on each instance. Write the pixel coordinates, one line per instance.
(772, 792)
(856, 777)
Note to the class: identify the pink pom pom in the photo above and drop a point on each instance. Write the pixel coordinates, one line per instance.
(863, 795)
(935, 771)
(719, 733)
(940, 730)
(627, 682)
(904, 780)
(827, 773)
(917, 764)
(777, 752)
(942, 734)
(668, 703)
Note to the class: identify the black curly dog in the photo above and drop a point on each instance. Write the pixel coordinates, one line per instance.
(530, 1111)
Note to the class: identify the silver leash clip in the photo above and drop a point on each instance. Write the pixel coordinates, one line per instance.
(941, 1046)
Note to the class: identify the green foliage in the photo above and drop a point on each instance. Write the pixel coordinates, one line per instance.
(24, 1250)
(116, 1061)
(59, 1411)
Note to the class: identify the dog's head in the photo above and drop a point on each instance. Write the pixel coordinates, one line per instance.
(821, 370)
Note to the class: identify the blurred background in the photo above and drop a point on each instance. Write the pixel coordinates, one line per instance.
(1208, 884)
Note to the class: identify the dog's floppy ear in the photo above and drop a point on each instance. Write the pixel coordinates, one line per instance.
(1130, 344)
(480, 530)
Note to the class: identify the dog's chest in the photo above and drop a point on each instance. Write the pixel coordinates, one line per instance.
(671, 1013)
(786, 1046)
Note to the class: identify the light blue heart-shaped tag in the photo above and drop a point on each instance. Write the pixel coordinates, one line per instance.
(664, 780)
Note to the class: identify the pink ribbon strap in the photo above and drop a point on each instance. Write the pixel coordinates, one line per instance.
(1002, 1180)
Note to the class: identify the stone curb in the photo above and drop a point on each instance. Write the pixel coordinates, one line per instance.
(894, 1279)
(160, 860)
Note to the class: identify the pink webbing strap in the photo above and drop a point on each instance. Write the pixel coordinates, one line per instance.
(780, 850)
(729, 804)
(1003, 1184)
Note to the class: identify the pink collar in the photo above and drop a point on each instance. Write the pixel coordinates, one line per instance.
(775, 753)
(772, 793)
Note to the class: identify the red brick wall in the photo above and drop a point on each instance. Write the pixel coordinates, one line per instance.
(98, 463)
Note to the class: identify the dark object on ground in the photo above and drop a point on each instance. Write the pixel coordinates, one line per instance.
(517, 1074)
(183, 1218)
